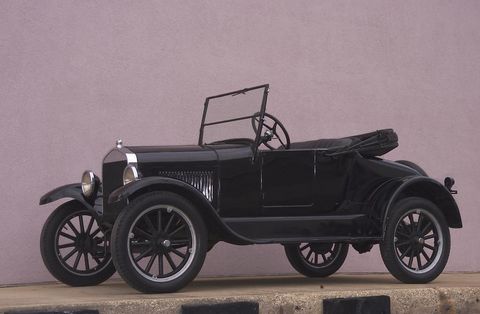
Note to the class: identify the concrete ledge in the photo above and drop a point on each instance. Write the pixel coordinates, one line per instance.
(450, 293)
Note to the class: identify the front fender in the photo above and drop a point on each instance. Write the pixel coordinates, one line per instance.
(427, 188)
(73, 190)
(124, 192)
(208, 212)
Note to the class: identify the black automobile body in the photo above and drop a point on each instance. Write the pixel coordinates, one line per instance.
(241, 188)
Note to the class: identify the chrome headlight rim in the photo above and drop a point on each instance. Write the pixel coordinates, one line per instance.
(88, 183)
(130, 174)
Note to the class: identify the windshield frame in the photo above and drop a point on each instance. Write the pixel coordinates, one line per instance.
(240, 91)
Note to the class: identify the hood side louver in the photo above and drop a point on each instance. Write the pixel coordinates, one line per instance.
(201, 180)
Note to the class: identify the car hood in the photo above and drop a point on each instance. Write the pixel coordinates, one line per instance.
(174, 153)
(188, 153)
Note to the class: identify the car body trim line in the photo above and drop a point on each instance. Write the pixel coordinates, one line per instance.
(291, 218)
(316, 240)
(289, 206)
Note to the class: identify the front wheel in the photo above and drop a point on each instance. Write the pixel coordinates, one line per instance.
(75, 247)
(416, 244)
(317, 259)
(159, 242)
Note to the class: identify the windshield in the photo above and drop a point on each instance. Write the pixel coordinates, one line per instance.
(229, 116)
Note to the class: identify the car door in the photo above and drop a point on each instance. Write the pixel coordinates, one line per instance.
(287, 180)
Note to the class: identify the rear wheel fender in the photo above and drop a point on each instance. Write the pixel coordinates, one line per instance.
(414, 166)
(430, 189)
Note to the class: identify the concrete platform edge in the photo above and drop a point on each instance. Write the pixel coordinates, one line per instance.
(423, 300)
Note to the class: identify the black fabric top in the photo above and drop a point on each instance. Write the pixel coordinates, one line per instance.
(323, 143)
(369, 144)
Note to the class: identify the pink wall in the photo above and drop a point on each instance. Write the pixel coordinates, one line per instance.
(77, 75)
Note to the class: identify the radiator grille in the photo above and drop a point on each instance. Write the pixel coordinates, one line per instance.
(201, 180)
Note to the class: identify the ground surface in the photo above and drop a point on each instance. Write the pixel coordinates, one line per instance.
(450, 293)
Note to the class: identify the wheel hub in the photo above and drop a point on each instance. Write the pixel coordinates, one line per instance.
(417, 243)
(160, 242)
(85, 243)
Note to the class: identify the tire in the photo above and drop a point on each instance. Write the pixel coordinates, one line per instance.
(416, 243)
(413, 165)
(307, 258)
(63, 247)
(149, 238)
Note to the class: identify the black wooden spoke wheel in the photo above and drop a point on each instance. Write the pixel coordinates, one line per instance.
(417, 241)
(159, 242)
(75, 248)
(316, 259)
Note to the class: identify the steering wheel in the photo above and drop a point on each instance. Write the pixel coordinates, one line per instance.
(271, 125)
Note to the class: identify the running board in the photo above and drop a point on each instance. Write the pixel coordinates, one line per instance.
(340, 228)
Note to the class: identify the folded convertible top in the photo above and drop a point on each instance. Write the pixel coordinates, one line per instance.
(370, 144)
(375, 143)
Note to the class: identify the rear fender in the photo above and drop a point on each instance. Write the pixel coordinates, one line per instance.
(73, 191)
(213, 221)
(427, 188)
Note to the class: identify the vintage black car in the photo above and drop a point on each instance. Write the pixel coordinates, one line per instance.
(159, 209)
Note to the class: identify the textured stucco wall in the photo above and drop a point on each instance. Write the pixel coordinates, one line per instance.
(77, 75)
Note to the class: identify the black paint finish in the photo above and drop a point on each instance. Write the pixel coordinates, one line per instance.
(112, 179)
(239, 181)
(288, 179)
(73, 190)
(316, 191)
(278, 196)
(347, 228)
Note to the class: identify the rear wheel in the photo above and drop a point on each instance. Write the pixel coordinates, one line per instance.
(317, 259)
(75, 247)
(416, 244)
(159, 242)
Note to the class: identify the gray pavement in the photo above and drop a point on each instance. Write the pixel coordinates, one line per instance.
(450, 293)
